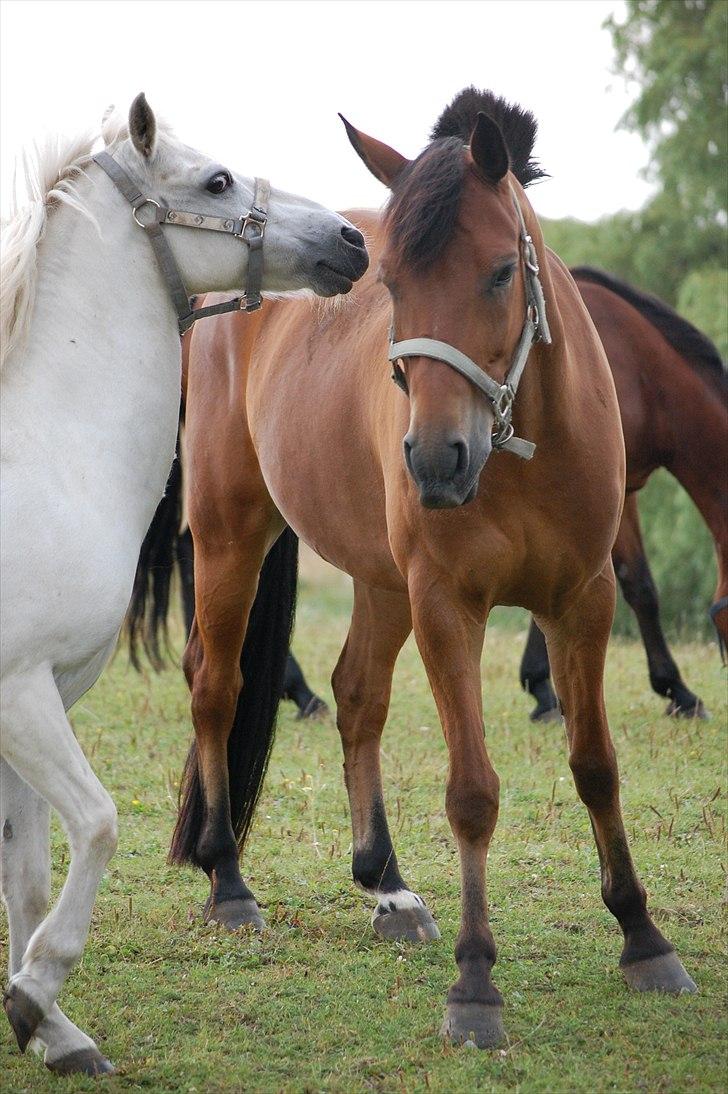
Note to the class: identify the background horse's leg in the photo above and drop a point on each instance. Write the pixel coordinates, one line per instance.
(451, 642)
(40, 745)
(362, 682)
(297, 690)
(633, 572)
(25, 869)
(535, 674)
(577, 646)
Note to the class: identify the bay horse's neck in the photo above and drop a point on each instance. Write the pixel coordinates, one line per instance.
(101, 366)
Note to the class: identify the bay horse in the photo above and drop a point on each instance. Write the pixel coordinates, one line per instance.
(672, 389)
(428, 498)
(90, 399)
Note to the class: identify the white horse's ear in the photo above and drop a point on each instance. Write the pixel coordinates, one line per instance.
(113, 126)
(143, 126)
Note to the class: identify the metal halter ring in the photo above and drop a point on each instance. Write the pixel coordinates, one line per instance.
(255, 220)
(503, 403)
(136, 208)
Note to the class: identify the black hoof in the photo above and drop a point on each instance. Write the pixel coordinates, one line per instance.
(687, 709)
(23, 1013)
(473, 1024)
(86, 1061)
(235, 913)
(546, 714)
(406, 924)
(315, 710)
(662, 973)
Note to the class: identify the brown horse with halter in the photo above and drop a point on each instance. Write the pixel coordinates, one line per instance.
(672, 389)
(496, 475)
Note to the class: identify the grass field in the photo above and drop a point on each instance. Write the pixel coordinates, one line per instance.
(318, 1002)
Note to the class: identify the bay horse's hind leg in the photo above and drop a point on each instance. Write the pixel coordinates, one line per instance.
(362, 682)
(450, 641)
(577, 644)
(25, 870)
(635, 579)
(535, 672)
(38, 742)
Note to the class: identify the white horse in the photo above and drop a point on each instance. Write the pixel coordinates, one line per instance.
(90, 396)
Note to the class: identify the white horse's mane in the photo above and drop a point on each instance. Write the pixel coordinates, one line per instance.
(48, 177)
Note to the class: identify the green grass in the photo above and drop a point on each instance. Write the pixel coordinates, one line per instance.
(318, 1002)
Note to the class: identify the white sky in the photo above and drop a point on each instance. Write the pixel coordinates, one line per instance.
(257, 85)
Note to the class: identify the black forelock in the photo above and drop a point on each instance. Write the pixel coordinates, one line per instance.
(517, 125)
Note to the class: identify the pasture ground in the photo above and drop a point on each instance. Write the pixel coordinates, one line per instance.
(318, 1002)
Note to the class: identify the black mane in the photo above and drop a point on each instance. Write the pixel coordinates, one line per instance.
(518, 126)
(423, 209)
(687, 340)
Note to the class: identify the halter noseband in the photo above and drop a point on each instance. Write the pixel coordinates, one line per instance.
(249, 228)
(535, 329)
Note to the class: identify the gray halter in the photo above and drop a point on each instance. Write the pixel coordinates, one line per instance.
(535, 329)
(151, 215)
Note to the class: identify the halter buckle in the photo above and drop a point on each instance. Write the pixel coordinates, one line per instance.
(503, 403)
(258, 221)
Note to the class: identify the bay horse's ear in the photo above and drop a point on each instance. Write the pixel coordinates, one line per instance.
(142, 126)
(383, 162)
(488, 149)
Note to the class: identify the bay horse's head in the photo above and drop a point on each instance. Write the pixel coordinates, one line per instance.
(458, 264)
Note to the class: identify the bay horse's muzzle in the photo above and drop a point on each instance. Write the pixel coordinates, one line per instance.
(446, 468)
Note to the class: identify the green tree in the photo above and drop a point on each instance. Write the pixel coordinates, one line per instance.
(676, 53)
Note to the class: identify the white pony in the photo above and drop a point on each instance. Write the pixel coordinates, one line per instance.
(90, 396)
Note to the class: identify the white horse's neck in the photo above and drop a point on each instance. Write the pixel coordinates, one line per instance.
(102, 361)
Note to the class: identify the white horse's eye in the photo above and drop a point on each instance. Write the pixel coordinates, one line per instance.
(220, 182)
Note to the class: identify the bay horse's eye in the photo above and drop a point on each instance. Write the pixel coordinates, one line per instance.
(502, 277)
(219, 182)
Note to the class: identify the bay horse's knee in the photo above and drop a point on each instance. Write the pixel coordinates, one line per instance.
(361, 708)
(214, 699)
(472, 806)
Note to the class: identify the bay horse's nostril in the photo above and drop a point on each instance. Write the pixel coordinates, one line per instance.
(462, 451)
(353, 236)
(407, 445)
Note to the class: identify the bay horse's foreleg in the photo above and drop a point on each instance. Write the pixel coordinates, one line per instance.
(635, 579)
(226, 578)
(535, 672)
(451, 641)
(362, 682)
(25, 870)
(577, 644)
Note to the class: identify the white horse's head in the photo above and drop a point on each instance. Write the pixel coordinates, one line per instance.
(305, 246)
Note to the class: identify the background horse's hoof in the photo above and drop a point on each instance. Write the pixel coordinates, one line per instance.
(315, 710)
(405, 924)
(475, 1022)
(23, 1013)
(545, 714)
(695, 709)
(235, 913)
(86, 1061)
(663, 973)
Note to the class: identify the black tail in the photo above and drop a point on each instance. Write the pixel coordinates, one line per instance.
(146, 619)
(262, 663)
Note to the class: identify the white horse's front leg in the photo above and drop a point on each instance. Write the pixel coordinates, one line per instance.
(25, 875)
(39, 744)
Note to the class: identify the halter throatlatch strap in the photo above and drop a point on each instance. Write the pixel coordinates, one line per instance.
(151, 215)
(535, 329)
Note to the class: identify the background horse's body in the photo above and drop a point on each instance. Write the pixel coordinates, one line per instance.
(673, 397)
(90, 401)
(291, 418)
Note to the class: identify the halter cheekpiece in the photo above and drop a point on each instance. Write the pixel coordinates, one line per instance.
(535, 329)
(150, 215)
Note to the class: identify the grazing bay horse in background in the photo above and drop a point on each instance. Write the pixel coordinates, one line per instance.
(427, 497)
(91, 370)
(672, 389)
